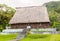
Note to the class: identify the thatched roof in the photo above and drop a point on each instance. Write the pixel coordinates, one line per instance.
(30, 15)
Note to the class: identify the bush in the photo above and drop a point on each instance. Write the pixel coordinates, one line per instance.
(36, 36)
(27, 33)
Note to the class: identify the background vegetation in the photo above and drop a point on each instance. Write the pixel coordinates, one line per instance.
(54, 13)
(6, 13)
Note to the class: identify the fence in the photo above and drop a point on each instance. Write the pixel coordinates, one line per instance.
(33, 31)
(44, 31)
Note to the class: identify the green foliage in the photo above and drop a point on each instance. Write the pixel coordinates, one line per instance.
(1, 28)
(28, 32)
(54, 13)
(6, 13)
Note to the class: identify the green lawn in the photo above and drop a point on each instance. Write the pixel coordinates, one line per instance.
(39, 37)
(55, 37)
(7, 37)
(32, 37)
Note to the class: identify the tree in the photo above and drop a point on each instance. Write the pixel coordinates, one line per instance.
(54, 13)
(6, 13)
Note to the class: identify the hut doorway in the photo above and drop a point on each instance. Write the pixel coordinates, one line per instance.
(28, 27)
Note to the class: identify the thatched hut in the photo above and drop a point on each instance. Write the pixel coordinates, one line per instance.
(33, 16)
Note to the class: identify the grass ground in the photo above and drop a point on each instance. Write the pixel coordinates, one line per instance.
(7, 37)
(55, 37)
(34, 37)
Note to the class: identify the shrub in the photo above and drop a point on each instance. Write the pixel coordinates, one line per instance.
(27, 33)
